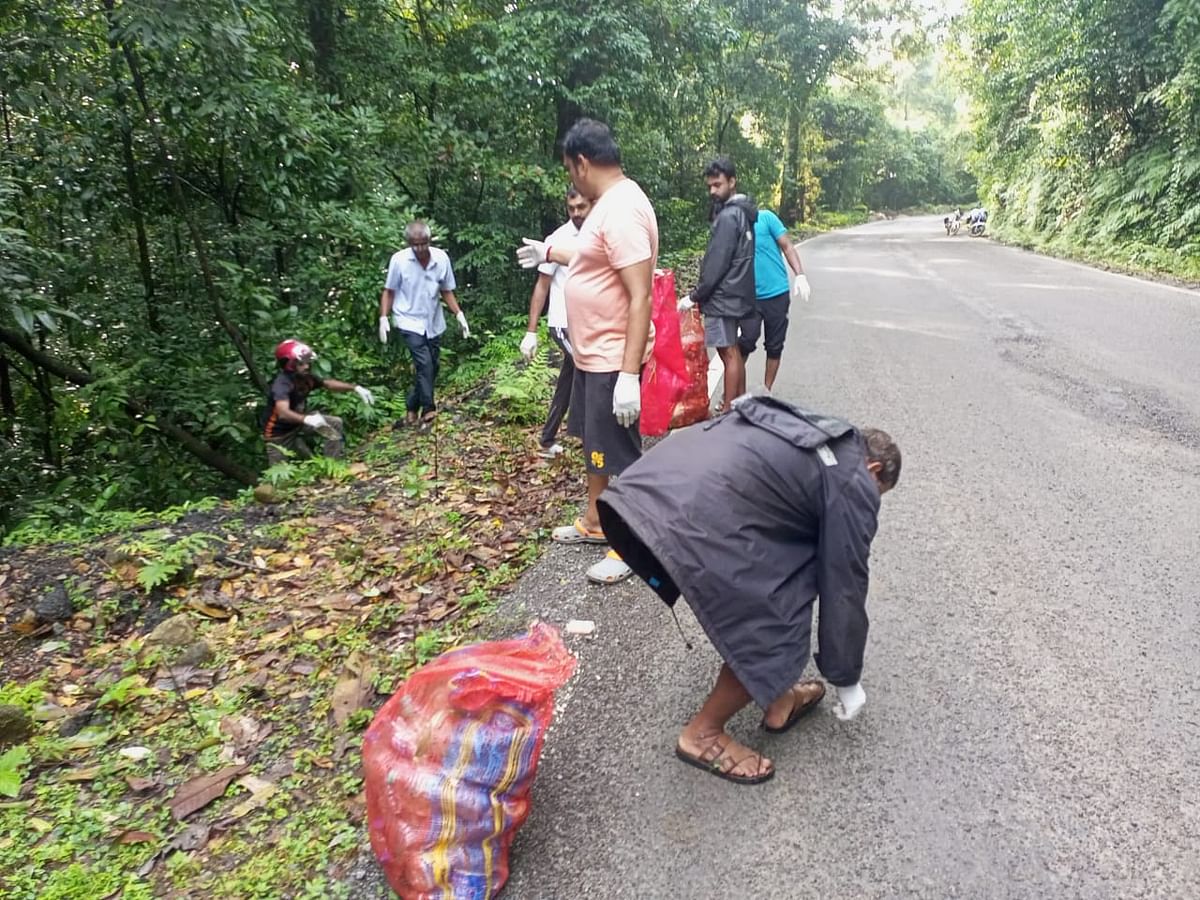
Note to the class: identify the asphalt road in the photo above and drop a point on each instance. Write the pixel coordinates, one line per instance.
(1032, 727)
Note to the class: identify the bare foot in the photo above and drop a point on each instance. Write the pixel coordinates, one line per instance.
(801, 694)
(718, 751)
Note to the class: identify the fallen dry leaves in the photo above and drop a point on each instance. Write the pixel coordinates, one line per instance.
(202, 790)
(354, 688)
(299, 614)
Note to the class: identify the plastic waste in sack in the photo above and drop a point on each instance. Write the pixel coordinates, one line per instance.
(450, 759)
(693, 405)
(665, 376)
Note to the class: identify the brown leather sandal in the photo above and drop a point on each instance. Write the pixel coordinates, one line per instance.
(800, 709)
(712, 759)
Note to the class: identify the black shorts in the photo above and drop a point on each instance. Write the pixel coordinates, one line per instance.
(608, 447)
(771, 317)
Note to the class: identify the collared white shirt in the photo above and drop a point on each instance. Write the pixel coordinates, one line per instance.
(416, 304)
(557, 317)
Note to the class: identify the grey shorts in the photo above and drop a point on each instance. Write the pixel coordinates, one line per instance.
(720, 331)
(609, 448)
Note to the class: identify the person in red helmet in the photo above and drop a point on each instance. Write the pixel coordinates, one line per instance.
(287, 422)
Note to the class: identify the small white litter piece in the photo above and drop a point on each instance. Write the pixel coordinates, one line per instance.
(580, 626)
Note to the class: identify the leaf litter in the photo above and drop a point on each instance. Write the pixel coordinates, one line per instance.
(310, 611)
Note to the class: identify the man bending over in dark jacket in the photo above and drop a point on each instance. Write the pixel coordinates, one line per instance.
(784, 515)
(726, 289)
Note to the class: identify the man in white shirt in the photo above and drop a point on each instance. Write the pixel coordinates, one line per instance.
(552, 277)
(415, 277)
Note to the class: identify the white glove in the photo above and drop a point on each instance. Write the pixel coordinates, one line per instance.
(462, 323)
(366, 396)
(850, 701)
(685, 303)
(384, 326)
(627, 399)
(529, 344)
(315, 421)
(532, 253)
(800, 289)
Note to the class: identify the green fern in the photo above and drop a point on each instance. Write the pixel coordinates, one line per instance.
(124, 691)
(163, 559)
(11, 764)
(155, 573)
(307, 471)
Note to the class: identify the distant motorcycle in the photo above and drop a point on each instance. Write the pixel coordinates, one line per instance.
(977, 222)
(953, 223)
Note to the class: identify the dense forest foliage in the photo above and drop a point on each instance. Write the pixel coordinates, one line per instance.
(1087, 123)
(183, 184)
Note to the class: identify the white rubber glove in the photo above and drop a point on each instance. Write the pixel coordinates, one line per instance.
(532, 253)
(627, 399)
(529, 344)
(462, 323)
(366, 396)
(800, 289)
(685, 303)
(384, 327)
(315, 421)
(850, 702)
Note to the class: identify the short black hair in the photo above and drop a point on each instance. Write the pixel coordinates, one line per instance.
(722, 165)
(592, 140)
(572, 191)
(883, 450)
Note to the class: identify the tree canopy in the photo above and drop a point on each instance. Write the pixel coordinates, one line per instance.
(182, 185)
(1087, 118)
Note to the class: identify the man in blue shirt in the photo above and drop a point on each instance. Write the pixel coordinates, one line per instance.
(415, 277)
(771, 247)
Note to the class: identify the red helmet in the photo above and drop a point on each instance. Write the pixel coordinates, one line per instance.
(293, 351)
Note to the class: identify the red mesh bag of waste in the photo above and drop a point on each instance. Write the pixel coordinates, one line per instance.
(692, 407)
(449, 761)
(665, 376)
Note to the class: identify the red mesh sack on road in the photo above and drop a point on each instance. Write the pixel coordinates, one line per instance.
(692, 407)
(665, 376)
(450, 759)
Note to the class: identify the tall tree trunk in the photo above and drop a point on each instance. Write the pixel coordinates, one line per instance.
(181, 206)
(726, 119)
(139, 227)
(49, 450)
(322, 18)
(4, 116)
(7, 403)
(45, 363)
(566, 113)
(135, 191)
(791, 204)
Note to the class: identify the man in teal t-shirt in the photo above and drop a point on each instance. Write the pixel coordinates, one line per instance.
(771, 246)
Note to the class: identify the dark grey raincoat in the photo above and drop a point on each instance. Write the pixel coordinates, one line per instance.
(751, 517)
(726, 286)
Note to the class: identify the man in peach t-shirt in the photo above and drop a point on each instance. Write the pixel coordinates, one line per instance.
(608, 294)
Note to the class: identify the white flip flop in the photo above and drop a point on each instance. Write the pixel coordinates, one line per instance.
(610, 570)
(576, 533)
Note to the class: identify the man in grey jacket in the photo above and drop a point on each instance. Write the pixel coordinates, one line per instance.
(783, 513)
(726, 289)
